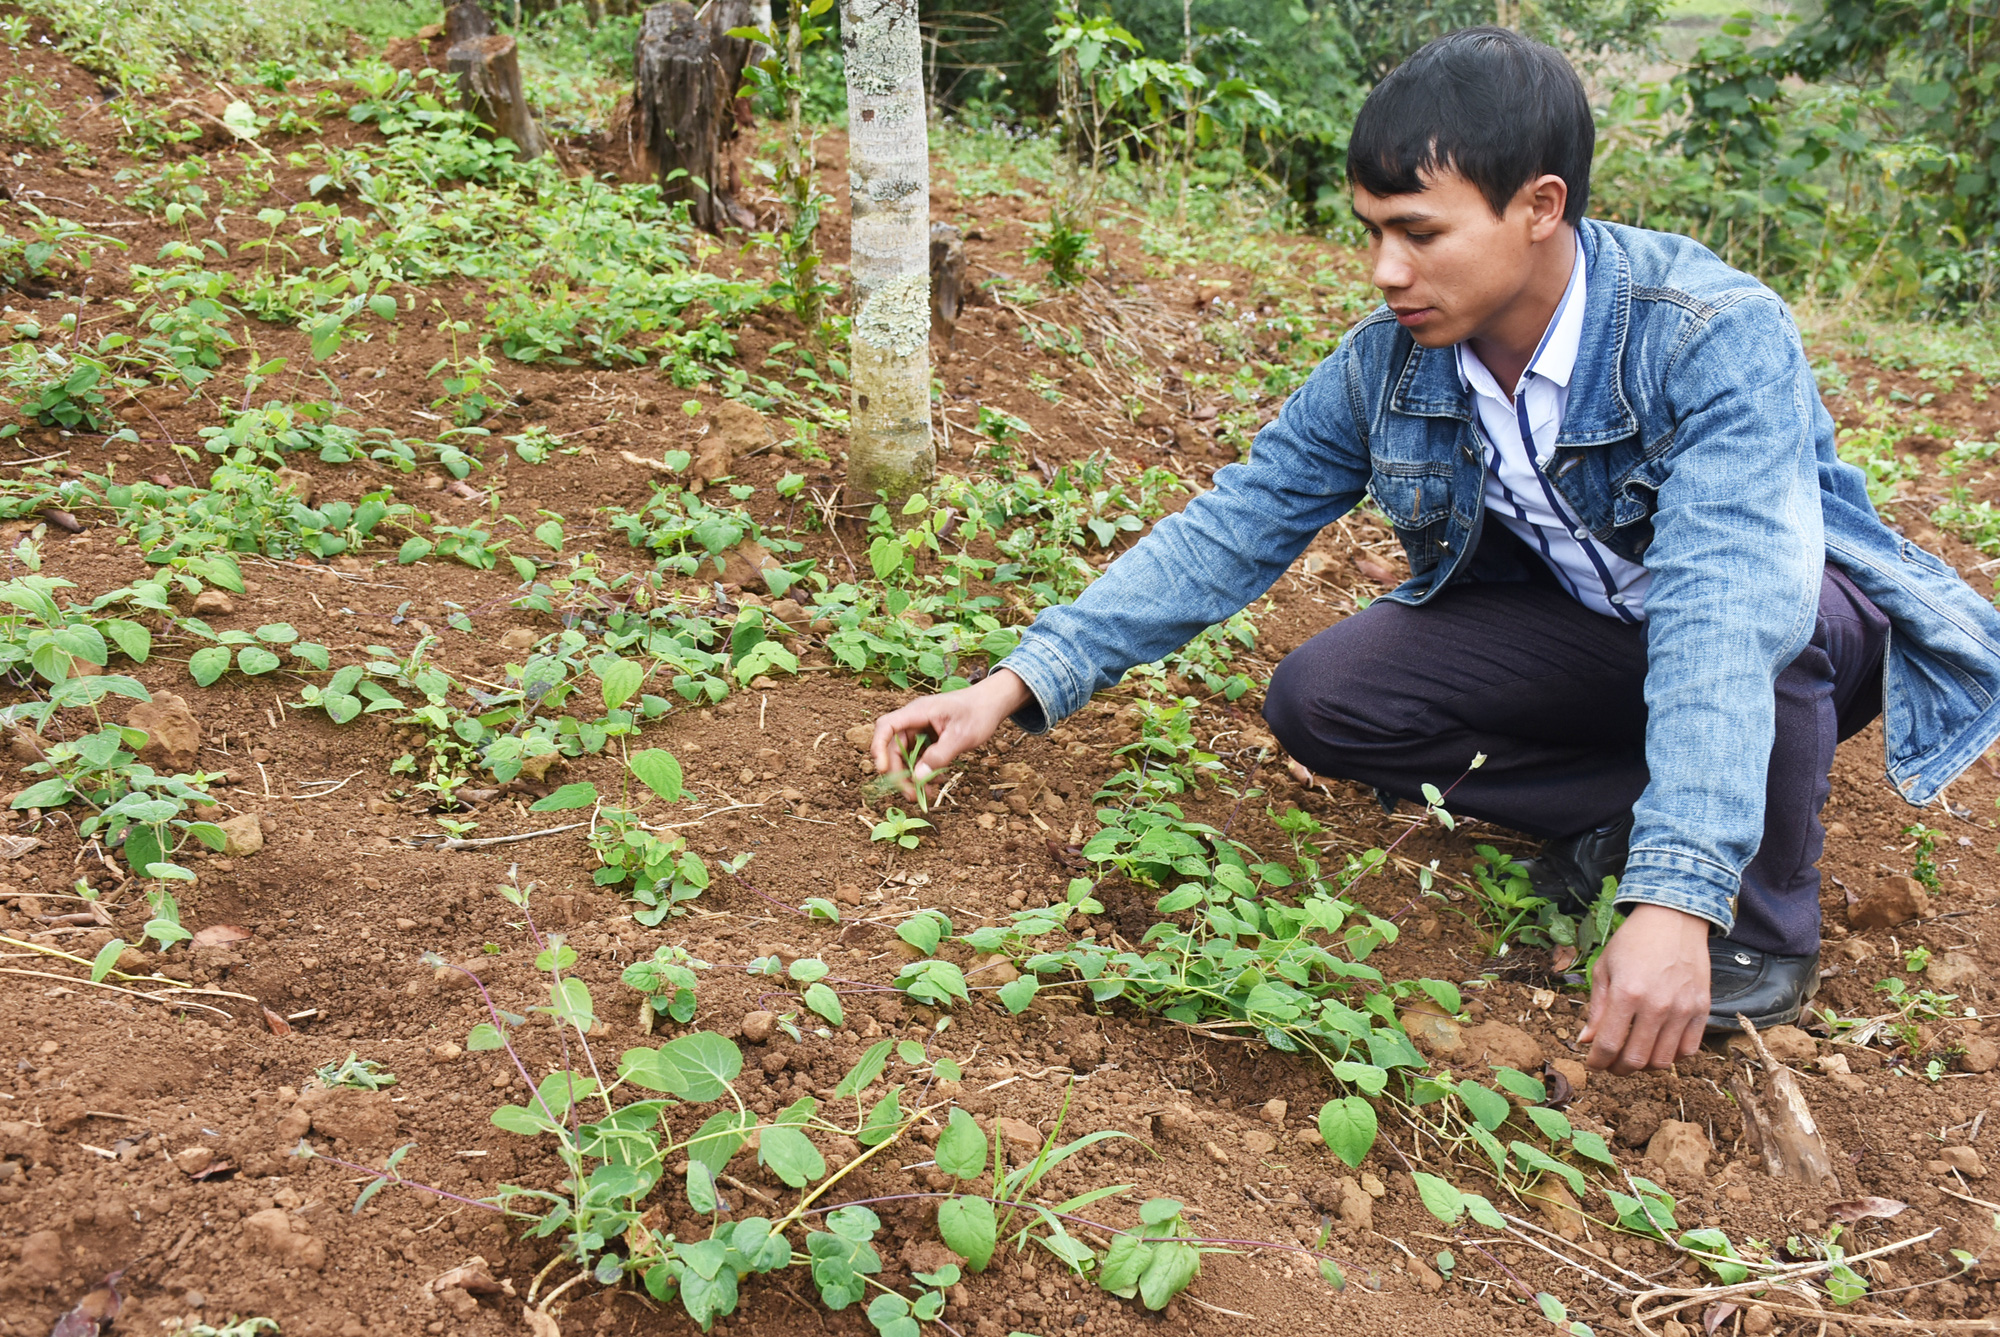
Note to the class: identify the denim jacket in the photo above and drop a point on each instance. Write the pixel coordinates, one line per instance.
(1694, 442)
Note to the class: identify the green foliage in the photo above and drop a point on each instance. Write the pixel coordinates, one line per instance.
(1065, 248)
(1897, 100)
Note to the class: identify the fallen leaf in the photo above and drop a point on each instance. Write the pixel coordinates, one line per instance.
(1561, 959)
(62, 520)
(1716, 1315)
(472, 1277)
(92, 1312)
(278, 1025)
(1560, 1091)
(215, 1170)
(540, 1324)
(1851, 1210)
(215, 935)
(1376, 570)
(13, 847)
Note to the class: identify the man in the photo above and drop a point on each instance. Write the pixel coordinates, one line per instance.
(1642, 582)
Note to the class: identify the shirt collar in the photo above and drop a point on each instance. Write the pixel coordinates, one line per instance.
(1555, 357)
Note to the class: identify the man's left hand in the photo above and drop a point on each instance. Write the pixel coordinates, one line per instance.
(1649, 992)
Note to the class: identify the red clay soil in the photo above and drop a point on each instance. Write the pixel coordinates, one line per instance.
(115, 1112)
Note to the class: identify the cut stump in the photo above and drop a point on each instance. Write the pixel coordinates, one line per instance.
(688, 69)
(489, 80)
(947, 278)
(1779, 1125)
(465, 21)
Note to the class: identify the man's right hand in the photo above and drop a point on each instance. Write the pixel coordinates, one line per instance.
(956, 722)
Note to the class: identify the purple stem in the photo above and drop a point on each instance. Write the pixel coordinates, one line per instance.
(401, 1182)
(789, 909)
(494, 1011)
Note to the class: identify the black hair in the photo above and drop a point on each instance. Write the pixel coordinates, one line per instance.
(1487, 103)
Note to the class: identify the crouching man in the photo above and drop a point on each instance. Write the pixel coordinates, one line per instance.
(1642, 582)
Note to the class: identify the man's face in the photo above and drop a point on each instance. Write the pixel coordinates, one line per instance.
(1446, 266)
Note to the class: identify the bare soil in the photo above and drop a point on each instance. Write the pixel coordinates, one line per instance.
(103, 1097)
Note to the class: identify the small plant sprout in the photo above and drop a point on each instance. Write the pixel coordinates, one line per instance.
(900, 827)
(364, 1073)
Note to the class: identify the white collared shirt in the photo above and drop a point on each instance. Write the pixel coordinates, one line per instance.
(1517, 431)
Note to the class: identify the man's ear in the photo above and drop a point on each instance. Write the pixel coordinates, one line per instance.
(1547, 197)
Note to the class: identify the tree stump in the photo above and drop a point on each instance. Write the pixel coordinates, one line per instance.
(489, 80)
(1778, 1125)
(688, 71)
(465, 21)
(947, 278)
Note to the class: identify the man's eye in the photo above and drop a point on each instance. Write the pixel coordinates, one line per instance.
(1420, 237)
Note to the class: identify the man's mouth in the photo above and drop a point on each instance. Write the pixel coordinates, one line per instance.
(1409, 317)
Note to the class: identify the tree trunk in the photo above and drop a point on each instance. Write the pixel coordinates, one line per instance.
(489, 79)
(888, 171)
(732, 55)
(688, 74)
(465, 21)
(760, 19)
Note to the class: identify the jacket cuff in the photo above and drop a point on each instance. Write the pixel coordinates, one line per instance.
(1680, 882)
(1056, 689)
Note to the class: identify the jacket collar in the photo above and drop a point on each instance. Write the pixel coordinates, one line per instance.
(1598, 411)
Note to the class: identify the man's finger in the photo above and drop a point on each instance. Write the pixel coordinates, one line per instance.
(1642, 1041)
(1697, 1026)
(885, 729)
(1609, 1031)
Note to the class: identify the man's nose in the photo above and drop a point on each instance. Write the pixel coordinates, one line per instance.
(1391, 270)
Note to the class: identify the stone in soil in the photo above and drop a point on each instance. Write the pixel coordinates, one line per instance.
(1788, 1044)
(1892, 901)
(213, 603)
(1981, 1054)
(759, 1026)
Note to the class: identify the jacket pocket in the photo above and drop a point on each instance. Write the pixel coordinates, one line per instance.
(1410, 496)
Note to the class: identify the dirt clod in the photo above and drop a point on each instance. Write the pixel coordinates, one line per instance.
(274, 1232)
(1357, 1208)
(213, 603)
(1274, 1112)
(1965, 1160)
(244, 836)
(1433, 1033)
(1892, 901)
(759, 1026)
(1679, 1150)
(1953, 972)
(173, 734)
(1502, 1046)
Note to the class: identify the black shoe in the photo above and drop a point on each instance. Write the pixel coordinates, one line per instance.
(1769, 989)
(1570, 872)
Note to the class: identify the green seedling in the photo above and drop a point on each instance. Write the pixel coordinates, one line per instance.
(900, 827)
(364, 1073)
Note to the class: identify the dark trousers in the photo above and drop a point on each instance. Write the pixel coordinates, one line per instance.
(1552, 693)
